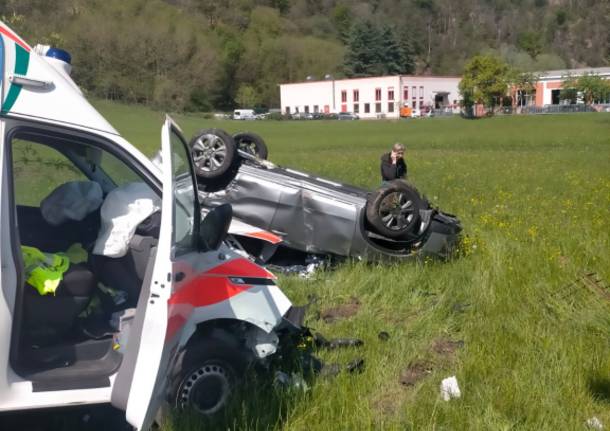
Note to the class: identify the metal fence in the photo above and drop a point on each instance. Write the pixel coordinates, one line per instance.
(557, 109)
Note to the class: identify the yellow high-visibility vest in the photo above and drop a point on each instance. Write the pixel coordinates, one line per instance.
(44, 271)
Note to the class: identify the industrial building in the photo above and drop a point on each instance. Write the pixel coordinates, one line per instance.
(550, 82)
(372, 97)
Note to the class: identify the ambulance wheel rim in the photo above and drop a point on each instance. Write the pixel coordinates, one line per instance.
(206, 389)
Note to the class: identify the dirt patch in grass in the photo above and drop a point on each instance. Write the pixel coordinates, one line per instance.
(446, 348)
(388, 403)
(415, 372)
(342, 311)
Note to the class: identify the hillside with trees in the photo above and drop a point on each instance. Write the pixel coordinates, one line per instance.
(198, 55)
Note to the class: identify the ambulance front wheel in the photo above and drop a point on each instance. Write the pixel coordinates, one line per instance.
(206, 376)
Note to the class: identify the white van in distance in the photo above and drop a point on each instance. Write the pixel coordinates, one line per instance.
(244, 114)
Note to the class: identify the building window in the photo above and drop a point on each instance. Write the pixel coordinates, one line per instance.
(343, 96)
(390, 94)
(414, 104)
(307, 109)
(316, 108)
(367, 108)
(414, 92)
(356, 108)
(405, 93)
(421, 104)
(343, 108)
(326, 109)
(287, 109)
(390, 106)
(356, 96)
(296, 109)
(377, 94)
(378, 107)
(421, 92)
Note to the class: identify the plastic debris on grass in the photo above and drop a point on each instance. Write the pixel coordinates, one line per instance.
(594, 423)
(450, 388)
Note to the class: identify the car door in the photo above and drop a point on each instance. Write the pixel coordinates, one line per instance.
(140, 384)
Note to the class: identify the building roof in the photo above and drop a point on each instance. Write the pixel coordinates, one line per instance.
(372, 77)
(561, 73)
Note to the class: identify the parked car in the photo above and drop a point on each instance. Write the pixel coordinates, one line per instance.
(302, 116)
(320, 216)
(190, 314)
(347, 116)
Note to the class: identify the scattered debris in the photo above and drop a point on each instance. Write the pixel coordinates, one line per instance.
(330, 370)
(292, 381)
(306, 270)
(414, 373)
(383, 336)
(335, 343)
(460, 307)
(355, 366)
(450, 388)
(341, 311)
(594, 423)
(447, 348)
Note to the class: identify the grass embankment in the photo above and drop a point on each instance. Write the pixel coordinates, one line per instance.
(533, 194)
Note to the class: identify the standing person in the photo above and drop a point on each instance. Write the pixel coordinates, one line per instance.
(393, 164)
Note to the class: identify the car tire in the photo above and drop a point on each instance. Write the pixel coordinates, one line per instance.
(251, 143)
(393, 210)
(213, 152)
(206, 376)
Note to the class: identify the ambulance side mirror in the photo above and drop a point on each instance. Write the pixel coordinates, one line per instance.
(214, 227)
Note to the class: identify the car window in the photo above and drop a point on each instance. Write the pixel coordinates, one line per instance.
(186, 207)
(116, 170)
(38, 170)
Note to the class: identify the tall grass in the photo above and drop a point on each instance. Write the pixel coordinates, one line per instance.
(533, 194)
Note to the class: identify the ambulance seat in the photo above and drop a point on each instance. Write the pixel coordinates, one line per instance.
(55, 314)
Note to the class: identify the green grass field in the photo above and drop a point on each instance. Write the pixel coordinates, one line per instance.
(533, 194)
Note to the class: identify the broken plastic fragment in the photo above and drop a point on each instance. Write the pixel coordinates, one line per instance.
(594, 423)
(450, 388)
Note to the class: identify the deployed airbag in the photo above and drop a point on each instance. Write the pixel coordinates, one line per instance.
(122, 211)
(73, 200)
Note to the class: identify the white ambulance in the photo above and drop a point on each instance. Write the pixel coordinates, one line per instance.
(195, 314)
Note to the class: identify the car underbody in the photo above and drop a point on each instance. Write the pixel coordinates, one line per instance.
(316, 216)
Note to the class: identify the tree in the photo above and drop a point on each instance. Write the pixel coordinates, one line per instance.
(246, 96)
(409, 52)
(593, 87)
(486, 80)
(372, 51)
(390, 53)
(361, 58)
(342, 20)
(525, 84)
(531, 42)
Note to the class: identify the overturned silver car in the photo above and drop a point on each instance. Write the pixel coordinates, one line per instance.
(314, 215)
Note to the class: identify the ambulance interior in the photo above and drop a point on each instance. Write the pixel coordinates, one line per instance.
(66, 338)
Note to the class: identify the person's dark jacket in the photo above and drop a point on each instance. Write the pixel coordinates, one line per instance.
(391, 172)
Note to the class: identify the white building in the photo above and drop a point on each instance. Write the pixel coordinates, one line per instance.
(373, 97)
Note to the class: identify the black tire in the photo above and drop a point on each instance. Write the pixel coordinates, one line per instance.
(206, 376)
(393, 210)
(213, 152)
(251, 143)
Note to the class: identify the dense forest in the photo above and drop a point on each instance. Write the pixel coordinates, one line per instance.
(198, 55)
